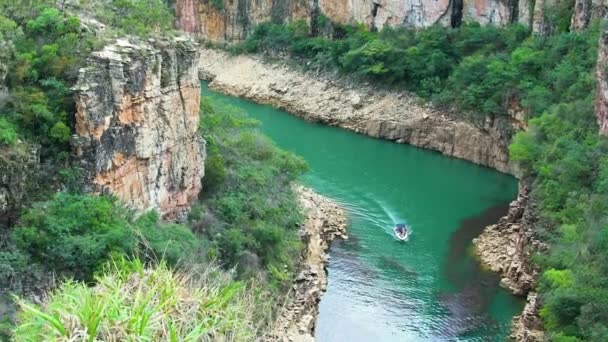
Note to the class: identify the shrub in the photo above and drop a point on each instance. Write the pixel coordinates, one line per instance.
(251, 210)
(8, 132)
(75, 234)
(131, 302)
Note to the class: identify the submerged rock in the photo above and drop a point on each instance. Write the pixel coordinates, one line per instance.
(137, 124)
(507, 248)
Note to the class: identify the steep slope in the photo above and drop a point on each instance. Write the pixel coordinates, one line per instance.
(227, 20)
(137, 121)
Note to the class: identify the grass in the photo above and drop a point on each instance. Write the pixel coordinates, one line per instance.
(132, 302)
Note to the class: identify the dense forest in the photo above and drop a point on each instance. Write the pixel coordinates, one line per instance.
(247, 221)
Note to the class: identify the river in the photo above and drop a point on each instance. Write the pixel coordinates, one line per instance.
(380, 289)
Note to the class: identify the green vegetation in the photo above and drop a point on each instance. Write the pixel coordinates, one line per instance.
(134, 303)
(75, 234)
(569, 162)
(249, 214)
(474, 68)
(490, 70)
(43, 48)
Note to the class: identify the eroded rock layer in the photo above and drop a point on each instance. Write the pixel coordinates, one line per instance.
(137, 121)
(324, 221)
(392, 115)
(507, 248)
(227, 20)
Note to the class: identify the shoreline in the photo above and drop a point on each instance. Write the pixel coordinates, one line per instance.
(504, 247)
(397, 116)
(324, 222)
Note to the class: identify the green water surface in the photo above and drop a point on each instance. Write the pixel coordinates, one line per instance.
(380, 289)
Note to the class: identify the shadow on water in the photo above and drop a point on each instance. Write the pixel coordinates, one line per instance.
(474, 287)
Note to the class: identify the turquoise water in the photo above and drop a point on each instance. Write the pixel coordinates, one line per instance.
(380, 289)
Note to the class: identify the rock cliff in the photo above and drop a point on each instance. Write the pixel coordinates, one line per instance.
(324, 221)
(19, 168)
(137, 121)
(227, 20)
(586, 11)
(390, 115)
(601, 73)
(507, 248)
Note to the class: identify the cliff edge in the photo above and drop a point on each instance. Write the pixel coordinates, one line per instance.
(137, 124)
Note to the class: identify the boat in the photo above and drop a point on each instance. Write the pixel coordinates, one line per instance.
(402, 231)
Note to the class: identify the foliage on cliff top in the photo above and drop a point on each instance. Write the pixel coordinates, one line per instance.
(74, 234)
(483, 69)
(250, 212)
(132, 302)
(44, 45)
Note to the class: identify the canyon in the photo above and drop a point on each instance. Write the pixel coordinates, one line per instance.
(392, 115)
(231, 20)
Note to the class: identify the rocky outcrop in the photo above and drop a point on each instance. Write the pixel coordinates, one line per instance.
(489, 12)
(232, 19)
(137, 121)
(528, 326)
(507, 248)
(324, 222)
(19, 168)
(227, 20)
(601, 73)
(393, 115)
(585, 11)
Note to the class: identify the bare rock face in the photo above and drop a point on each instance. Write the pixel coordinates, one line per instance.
(238, 17)
(392, 115)
(586, 11)
(324, 222)
(187, 13)
(601, 99)
(507, 248)
(136, 124)
(488, 11)
(19, 168)
(528, 327)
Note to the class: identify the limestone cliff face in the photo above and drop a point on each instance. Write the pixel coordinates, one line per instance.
(601, 100)
(237, 17)
(136, 124)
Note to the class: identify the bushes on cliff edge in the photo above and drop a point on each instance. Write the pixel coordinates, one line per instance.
(481, 69)
(74, 234)
(132, 302)
(250, 214)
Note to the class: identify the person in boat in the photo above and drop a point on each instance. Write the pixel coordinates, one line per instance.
(400, 229)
